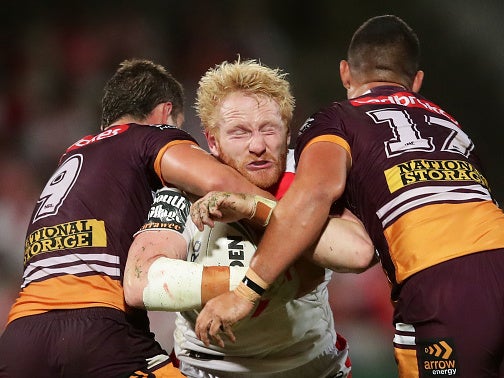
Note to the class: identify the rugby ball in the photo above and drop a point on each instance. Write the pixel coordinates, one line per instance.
(226, 244)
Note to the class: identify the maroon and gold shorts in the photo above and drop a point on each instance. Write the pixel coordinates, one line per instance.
(449, 320)
(94, 342)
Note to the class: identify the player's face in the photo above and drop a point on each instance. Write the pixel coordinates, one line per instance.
(251, 137)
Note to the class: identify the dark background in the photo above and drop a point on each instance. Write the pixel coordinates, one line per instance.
(55, 58)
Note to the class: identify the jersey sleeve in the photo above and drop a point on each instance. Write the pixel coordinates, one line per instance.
(170, 211)
(325, 125)
(156, 140)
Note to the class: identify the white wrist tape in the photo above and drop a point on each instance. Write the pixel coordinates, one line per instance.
(175, 285)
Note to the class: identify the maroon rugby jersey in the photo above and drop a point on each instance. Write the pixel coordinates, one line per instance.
(83, 223)
(414, 180)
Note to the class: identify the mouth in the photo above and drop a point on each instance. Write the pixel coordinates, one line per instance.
(259, 165)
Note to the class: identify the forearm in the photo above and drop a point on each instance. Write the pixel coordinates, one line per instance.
(344, 247)
(299, 217)
(158, 277)
(195, 171)
(177, 285)
(294, 225)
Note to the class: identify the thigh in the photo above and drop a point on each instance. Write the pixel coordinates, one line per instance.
(113, 346)
(80, 343)
(449, 319)
(23, 351)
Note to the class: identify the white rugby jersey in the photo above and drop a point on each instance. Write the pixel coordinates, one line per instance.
(292, 338)
(284, 336)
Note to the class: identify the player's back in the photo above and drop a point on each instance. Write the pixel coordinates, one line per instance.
(415, 180)
(81, 228)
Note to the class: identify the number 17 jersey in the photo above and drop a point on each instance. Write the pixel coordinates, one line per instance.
(414, 180)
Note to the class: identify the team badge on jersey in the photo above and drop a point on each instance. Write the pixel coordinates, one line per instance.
(437, 357)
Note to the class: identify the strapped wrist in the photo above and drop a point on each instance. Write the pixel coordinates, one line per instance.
(251, 287)
(263, 208)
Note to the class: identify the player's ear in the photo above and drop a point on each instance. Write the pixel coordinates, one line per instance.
(344, 69)
(417, 81)
(212, 143)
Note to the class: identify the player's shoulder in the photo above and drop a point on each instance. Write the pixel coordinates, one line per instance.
(163, 130)
(162, 127)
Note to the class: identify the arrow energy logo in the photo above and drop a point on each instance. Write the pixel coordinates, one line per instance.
(437, 357)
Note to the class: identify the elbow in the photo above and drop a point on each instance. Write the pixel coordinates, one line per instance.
(364, 256)
(132, 295)
(364, 251)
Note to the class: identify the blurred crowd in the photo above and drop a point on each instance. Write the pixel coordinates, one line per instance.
(55, 61)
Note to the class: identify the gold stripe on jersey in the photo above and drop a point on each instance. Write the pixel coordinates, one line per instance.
(333, 139)
(427, 170)
(159, 157)
(436, 233)
(68, 292)
(76, 234)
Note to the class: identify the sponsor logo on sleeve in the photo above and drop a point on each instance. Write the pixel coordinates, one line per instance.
(306, 125)
(164, 126)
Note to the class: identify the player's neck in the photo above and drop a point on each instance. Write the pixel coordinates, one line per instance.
(360, 90)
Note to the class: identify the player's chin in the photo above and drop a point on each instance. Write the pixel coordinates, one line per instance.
(264, 179)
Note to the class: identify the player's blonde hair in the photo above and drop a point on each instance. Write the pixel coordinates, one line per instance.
(250, 77)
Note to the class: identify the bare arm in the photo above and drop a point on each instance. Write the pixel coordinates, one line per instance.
(229, 207)
(303, 211)
(295, 225)
(158, 277)
(146, 248)
(344, 246)
(193, 170)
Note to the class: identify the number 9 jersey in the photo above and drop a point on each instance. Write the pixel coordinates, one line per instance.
(83, 223)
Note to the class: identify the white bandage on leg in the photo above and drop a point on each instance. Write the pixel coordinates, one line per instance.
(177, 285)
